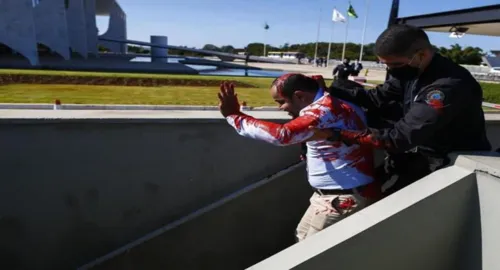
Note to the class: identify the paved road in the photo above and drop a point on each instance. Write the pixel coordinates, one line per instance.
(326, 72)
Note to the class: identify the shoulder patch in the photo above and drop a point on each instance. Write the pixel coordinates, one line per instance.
(435, 99)
(435, 95)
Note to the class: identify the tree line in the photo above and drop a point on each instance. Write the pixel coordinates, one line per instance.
(468, 55)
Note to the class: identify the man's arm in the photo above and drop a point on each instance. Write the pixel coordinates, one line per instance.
(293, 132)
(371, 99)
(434, 108)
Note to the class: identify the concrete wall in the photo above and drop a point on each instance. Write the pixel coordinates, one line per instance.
(117, 29)
(17, 28)
(73, 190)
(103, 7)
(489, 188)
(493, 132)
(465, 236)
(224, 237)
(92, 31)
(51, 30)
(232, 234)
(77, 27)
(448, 220)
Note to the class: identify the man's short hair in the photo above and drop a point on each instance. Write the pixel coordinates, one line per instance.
(287, 84)
(401, 40)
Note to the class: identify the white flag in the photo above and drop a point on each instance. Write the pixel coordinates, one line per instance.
(456, 35)
(337, 16)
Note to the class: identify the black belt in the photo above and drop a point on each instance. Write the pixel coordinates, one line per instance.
(349, 191)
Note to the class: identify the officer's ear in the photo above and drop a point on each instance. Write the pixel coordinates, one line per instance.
(422, 55)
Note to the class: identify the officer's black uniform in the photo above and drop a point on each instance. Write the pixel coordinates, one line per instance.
(356, 68)
(343, 70)
(441, 113)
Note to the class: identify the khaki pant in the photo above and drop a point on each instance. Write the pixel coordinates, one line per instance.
(326, 210)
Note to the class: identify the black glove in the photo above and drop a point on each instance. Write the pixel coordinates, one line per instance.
(336, 136)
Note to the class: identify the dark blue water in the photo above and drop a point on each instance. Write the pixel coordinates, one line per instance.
(212, 70)
(240, 72)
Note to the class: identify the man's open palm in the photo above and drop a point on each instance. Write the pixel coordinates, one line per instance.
(228, 100)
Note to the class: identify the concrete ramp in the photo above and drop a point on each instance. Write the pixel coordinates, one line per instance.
(448, 220)
(233, 233)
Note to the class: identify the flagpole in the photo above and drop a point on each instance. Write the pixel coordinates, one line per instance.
(317, 37)
(345, 39)
(364, 31)
(265, 38)
(266, 27)
(331, 39)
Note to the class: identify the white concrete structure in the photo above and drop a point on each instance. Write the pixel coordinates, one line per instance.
(51, 27)
(77, 27)
(17, 28)
(117, 28)
(90, 22)
(61, 25)
(286, 55)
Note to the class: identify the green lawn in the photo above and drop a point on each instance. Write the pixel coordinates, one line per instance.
(491, 92)
(175, 95)
(104, 94)
(97, 94)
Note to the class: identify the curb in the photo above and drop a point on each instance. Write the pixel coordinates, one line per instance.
(47, 106)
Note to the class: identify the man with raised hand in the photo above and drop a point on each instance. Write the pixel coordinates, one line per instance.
(341, 175)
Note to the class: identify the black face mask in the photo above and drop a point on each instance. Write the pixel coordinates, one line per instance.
(404, 73)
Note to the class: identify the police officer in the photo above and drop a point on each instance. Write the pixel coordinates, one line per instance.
(356, 68)
(440, 108)
(343, 70)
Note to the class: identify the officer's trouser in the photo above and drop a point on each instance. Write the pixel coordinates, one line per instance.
(406, 168)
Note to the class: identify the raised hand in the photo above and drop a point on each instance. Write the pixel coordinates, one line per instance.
(228, 100)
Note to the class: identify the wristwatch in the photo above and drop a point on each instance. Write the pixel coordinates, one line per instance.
(335, 135)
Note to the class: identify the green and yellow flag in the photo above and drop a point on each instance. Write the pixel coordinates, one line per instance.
(351, 12)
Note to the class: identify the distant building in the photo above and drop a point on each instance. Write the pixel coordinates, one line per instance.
(239, 51)
(64, 27)
(286, 55)
(496, 53)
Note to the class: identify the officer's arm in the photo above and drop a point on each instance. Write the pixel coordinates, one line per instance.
(433, 109)
(335, 70)
(371, 99)
(293, 132)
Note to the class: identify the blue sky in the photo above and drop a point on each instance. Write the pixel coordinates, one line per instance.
(238, 22)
